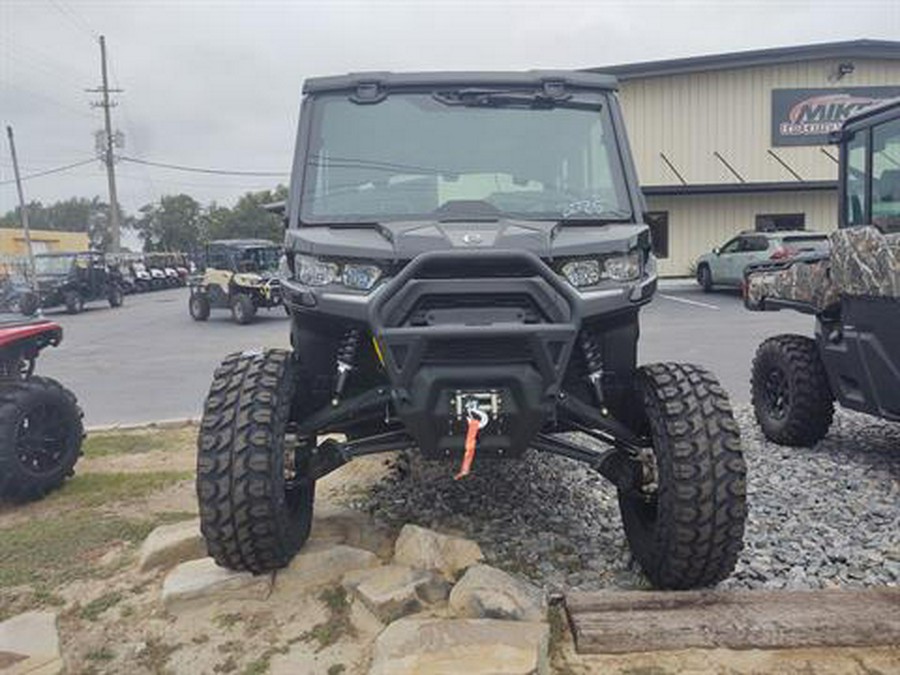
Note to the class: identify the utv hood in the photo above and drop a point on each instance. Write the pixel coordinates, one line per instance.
(404, 241)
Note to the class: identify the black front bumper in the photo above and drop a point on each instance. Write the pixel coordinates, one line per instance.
(459, 323)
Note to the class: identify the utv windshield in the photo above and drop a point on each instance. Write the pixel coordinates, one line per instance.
(53, 265)
(259, 260)
(462, 154)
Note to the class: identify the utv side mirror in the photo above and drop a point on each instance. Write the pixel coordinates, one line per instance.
(716, 250)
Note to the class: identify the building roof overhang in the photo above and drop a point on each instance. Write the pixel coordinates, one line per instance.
(738, 188)
(849, 49)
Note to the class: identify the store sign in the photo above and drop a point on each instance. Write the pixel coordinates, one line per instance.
(807, 116)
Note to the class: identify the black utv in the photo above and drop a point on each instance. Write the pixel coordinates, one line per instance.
(466, 259)
(71, 280)
(853, 290)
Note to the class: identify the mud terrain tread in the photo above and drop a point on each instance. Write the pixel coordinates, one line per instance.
(15, 485)
(702, 479)
(240, 481)
(812, 403)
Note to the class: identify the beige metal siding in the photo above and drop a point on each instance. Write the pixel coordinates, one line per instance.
(699, 223)
(690, 116)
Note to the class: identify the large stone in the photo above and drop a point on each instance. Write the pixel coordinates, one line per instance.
(426, 549)
(485, 592)
(29, 643)
(320, 565)
(413, 646)
(169, 545)
(340, 525)
(393, 591)
(202, 580)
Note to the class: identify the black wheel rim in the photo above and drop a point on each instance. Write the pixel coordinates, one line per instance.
(41, 439)
(776, 393)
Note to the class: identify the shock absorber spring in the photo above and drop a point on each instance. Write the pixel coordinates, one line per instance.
(347, 350)
(593, 360)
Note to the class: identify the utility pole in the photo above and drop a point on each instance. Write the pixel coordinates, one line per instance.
(108, 156)
(23, 210)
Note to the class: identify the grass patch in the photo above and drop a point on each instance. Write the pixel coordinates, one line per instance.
(336, 669)
(96, 489)
(96, 607)
(106, 443)
(101, 654)
(228, 620)
(337, 624)
(52, 551)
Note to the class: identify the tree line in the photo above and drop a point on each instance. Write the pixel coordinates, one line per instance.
(173, 223)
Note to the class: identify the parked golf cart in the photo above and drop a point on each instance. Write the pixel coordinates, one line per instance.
(40, 421)
(240, 275)
(143, 281)
(71, 280)
(853, 292)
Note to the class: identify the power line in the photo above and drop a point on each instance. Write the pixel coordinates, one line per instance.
(74, 19)
(58, 169)
(194, 169)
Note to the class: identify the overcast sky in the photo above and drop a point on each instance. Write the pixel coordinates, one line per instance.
(216, 84)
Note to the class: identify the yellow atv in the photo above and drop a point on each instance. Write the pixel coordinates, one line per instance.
(240, 275)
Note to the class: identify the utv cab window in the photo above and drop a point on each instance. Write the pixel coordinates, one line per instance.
(886, 176)
(53, 265)
(258, 260)
(855, 206)
(461, 154)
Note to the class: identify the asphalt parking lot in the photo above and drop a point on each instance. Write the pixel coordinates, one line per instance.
(150, 361)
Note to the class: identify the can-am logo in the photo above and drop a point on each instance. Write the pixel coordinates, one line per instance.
(823, 114)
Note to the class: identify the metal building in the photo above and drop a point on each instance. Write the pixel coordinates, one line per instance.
(739, 141)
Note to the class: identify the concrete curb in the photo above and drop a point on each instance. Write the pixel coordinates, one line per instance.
(175, 423)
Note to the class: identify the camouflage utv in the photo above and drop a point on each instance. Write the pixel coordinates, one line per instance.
(853, 291)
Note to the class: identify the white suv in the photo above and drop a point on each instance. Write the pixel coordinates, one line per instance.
(724, 266)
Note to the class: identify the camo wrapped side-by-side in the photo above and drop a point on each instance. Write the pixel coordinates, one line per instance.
(803, 282)
(866, 262)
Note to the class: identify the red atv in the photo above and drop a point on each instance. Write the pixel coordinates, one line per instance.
(40, 421)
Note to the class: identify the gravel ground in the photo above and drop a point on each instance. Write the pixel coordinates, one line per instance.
(824, 517)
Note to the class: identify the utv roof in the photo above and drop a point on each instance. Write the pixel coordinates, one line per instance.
(867, 116)
(389, 80)
(245, 243)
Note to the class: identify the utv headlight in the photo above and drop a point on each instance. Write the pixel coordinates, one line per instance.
(360, 275)
(584, 272)
(315, 272)
(625, 267)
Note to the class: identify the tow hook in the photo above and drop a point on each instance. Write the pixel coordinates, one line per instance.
(477, 420)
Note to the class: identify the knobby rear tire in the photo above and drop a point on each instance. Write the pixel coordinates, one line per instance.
(807, 410)
(251, 517)
(24, 478)
(690, 533)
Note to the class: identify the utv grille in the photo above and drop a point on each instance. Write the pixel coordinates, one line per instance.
(516, 308)
(491, 350)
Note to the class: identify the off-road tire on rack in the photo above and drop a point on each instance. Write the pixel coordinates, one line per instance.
(242, 309)
(29, 303)
(53, 415)
(116, 297)
(74, 302)
(198, 306)
(689, 533)
(251, 518)
(805, 415)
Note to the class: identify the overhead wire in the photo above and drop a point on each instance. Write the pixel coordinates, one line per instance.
(194, 169)
(58, 169)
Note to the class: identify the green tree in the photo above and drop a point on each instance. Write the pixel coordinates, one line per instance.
(248, 218)
(172, 224)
